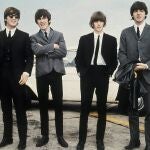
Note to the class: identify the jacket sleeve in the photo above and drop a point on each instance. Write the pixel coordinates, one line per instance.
(79, 55)
(49, 49)
(114, 61)
(122, 55)
(39, 49)
(61, 51)
(28, 55)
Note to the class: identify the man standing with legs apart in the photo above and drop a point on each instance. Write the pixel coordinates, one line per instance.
(96, 61)
(135, 46)
(15, 65)
(49, 48)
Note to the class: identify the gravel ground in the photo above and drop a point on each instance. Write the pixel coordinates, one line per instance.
(116, 136)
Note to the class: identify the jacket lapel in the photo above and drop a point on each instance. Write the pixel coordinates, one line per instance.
(144, 31)
(50, 34)
(15, 38)
(42, 36)
(103, 44)
(90, 45)
(134, 32)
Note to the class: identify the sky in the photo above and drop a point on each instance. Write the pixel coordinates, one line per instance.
(71, 17)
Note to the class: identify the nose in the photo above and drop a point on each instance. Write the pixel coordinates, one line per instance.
(139, 12)
(41, 20)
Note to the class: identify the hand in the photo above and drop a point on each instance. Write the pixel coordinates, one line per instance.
(24, 78)
(56, 46)
(140, 66)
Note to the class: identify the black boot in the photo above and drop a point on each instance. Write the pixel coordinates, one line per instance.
(22, 145)
(7, 134)
(132, 145)
(80, 145)
(59, 128)
(42, 141)
(62, 141)
(101, 125)
(100, 145)
(6, 141)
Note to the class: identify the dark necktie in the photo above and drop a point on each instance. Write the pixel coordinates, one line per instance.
(46, 35)
(138, 32)
(9, 34)
(138, 35)
(96, 51)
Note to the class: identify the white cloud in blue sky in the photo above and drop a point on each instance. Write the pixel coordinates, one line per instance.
(72, 16)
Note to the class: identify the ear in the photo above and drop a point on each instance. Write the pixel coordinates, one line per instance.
(92, 25)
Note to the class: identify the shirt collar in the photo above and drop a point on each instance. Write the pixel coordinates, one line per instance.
(12, 31)
(141, 27)
(96, 35)
(47, 31)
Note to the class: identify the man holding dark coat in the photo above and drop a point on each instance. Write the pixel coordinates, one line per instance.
(135, 47)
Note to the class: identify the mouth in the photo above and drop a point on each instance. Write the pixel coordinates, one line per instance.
(98, 27)
(41, 24)
(14, 21)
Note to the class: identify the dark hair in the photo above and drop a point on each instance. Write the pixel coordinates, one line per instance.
(11, 11)
(97, 16)
(42, 13)
(138, 6)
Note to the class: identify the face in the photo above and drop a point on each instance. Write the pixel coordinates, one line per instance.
(12, 21)
(98, 26)
(139, 16)
(43, 23)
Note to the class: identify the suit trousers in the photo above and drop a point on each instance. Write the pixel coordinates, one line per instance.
(54, 80)
(97, 79)
(134, 118)
(11, 90)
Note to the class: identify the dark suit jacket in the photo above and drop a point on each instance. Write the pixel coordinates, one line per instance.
(22, 56)
(131, 47)
(86, 49)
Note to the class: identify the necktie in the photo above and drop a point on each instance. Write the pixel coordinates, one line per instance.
(96, 51)
(9, 34)
(138, 32)
(138, 35)
(46, 35)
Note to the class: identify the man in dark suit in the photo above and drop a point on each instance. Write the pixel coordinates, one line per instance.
(135, 46)
(49, 48)
(15, 65)
(96, 61)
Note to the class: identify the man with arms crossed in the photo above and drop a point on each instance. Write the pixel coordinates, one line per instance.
(96, 61)
(49, 48)
(135, 46)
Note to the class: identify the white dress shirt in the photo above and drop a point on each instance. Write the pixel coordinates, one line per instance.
(47, 31)
(100, 60)
(141, 27)
(12, 31)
